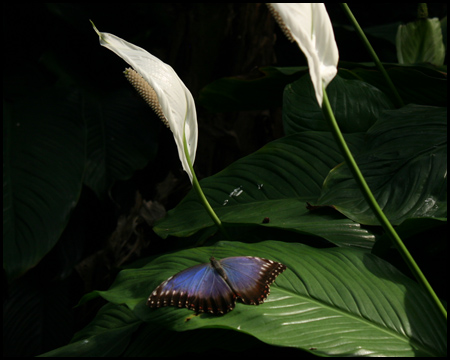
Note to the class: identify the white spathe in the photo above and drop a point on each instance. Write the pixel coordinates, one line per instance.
(174, 97)
(310, 26)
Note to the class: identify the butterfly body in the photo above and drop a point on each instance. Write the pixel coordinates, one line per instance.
(214, 287)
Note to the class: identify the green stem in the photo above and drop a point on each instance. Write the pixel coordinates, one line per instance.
(373, 54)
(367, 193)
(201, 195)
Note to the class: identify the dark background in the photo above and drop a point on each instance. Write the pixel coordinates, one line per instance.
(54, 45)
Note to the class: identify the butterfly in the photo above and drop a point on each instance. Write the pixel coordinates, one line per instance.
(214, 287)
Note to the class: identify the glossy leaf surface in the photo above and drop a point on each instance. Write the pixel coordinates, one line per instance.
(404, 160)
(335, 301)
(275, 182)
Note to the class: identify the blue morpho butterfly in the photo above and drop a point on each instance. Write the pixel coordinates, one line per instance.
(214, 287)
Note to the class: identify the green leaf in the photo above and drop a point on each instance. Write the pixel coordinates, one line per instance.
(108, 334)
(356, 106)
(116, 331)
(276, 182)
(416, 84)
(53, 142)
(336, 301)
(261, 89)
(43, 163)
(156, 341)
(404, 160)
(264, 88)
(420, 42)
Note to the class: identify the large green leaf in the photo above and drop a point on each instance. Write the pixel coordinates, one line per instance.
(264, 89)
(43, 162)
(108, 334)
(275, 182)
(117, 331)
(415, 84)
(261, 89)
(404, 160)
(53, 142)
(356, 106)
(336, 301)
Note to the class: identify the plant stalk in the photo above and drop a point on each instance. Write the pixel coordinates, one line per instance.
(373, 54)
(367, 193)
(201, 195)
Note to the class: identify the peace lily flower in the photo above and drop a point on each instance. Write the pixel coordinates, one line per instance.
(166, 94)
(309, 25)
(164, 91)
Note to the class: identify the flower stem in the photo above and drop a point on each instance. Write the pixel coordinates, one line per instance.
(367, 193)
(373, 54)
(201, 195)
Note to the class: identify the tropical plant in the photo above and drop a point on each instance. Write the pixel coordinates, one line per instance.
(345, 291)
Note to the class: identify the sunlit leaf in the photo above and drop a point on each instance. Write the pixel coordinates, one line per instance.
(404, 160)
(335, 301)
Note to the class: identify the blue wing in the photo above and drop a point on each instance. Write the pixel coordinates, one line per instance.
(198, 288)
(214, 287)
(250, 277)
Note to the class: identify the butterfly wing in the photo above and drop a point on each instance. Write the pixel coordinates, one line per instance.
(198, 288)
(250, 277)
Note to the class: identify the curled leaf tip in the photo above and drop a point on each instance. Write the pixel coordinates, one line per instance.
(95, 28)
(100, 35)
